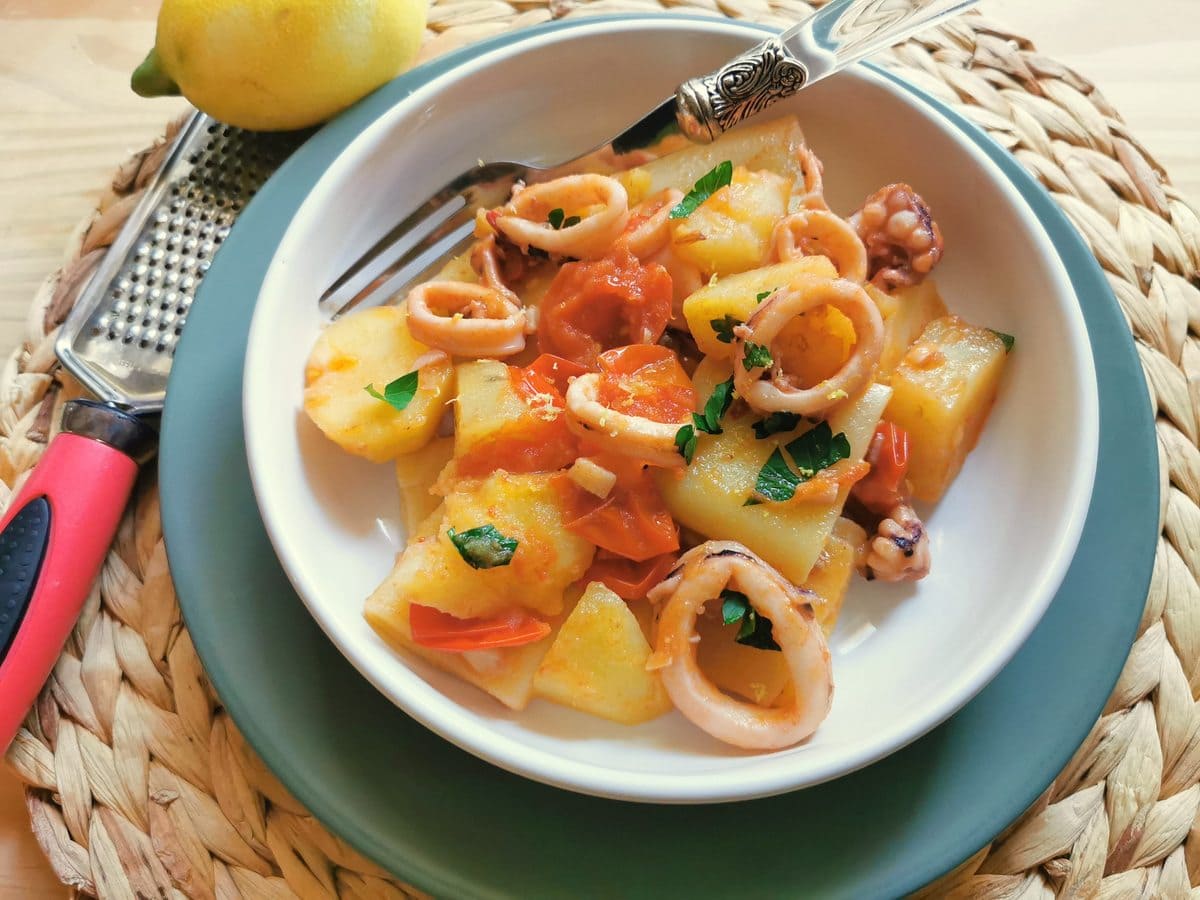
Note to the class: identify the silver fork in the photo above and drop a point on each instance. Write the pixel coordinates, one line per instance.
(840, 33)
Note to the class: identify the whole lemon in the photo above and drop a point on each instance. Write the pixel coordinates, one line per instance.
(272, 65)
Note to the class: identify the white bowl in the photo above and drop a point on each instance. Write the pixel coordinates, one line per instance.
(905, 658)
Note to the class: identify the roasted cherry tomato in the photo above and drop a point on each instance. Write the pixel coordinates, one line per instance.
(441, 631)
(556, 370)
(632, 521)
(884, 486)
(627, 579)
(646, 380)
(594, 305)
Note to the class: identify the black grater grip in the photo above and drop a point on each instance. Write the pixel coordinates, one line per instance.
(22, 549)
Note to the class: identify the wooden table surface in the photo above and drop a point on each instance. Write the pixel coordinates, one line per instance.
(68, 118)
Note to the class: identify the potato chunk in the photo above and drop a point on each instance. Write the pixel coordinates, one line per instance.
(943, 390)
(373, 347)
(737, 296)
(771, 145)
(487, 405)
(506, 674)
(906, 311)
(755, 675)
(597, 663)
(458, 268)
(498, 426)
(416, 474)
(522, 507)
(731, 230)
(708, 496)
(830, 576)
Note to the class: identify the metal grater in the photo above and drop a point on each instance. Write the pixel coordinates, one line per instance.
(121, 335)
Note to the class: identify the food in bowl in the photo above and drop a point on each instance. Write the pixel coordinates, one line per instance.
(650, 425)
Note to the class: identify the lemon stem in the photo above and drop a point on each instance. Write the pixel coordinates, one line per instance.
(149, 79)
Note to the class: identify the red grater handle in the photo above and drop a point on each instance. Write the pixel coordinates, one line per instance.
(53, 539)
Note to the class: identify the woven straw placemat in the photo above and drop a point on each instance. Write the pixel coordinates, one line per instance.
(139, 785)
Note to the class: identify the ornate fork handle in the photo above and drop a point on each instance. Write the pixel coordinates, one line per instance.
(743, 87)
(840, 33)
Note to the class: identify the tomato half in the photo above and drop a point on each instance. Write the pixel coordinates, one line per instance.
(646, 380)
(594, 305)
(556, 370)
(884, 486)
(632, 521)
(627, 579)
(441, 631)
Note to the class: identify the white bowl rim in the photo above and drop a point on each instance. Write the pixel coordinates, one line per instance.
(446, 718)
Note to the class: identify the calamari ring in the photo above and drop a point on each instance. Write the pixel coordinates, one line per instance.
(466, 319)
(818, 232)
(649, 228)
(702, 574)
(618, 432)
(524, 219)
(780, 393)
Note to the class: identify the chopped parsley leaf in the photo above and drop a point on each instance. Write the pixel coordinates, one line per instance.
(755, 630)
(708, 185)
(775, 423)
(723, 328)
(558, 219)
(776, 481)
(759, 298)
(685, 442)
(1009, 340)
(816, 449)
(757, 356)
(399, 393)
(483, 547)
(717, 405)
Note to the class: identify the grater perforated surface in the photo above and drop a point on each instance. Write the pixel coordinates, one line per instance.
(122, 334)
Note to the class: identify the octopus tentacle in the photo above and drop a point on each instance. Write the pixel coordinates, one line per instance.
(485, 260)
(702, 574)
(813, 196)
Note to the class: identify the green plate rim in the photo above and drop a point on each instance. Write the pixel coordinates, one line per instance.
(239, 611)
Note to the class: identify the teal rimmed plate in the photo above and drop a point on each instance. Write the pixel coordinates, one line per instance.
(409, 800)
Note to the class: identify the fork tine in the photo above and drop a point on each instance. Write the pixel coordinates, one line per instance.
(485, 185)
(420, 260)
(368, 267)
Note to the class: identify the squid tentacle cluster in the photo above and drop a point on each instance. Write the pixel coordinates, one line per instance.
(899, 551)
(903, 241)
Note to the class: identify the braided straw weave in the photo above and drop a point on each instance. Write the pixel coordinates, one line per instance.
(139, 785)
